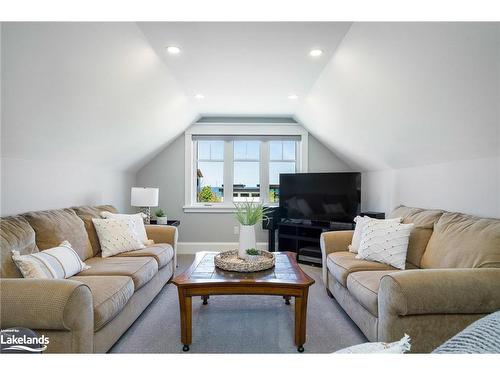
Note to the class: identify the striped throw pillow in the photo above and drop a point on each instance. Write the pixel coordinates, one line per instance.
(58, 262)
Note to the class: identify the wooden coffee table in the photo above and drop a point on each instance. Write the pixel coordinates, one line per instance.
(203, 279)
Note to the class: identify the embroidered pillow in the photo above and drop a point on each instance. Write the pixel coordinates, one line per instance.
(385, 243)
(361, 222)
(116, 236)
(135, 222)
(58, 262)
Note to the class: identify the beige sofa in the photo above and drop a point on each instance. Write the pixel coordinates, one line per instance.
(86, 313)
(452, 278)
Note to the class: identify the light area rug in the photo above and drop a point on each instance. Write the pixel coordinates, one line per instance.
(241, 324)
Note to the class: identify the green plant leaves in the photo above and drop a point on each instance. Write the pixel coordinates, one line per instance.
(248, 213)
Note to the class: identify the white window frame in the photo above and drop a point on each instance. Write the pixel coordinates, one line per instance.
(228, 130)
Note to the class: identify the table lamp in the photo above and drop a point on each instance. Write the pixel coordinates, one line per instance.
(145, 198)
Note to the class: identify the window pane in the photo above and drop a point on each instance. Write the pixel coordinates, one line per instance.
(216, 150)
(275, 169)
(210, 177)
(288, 150)
(240, 150)
(246, 185)
(276, 150)
(204, 150)
(253, 150)
(210, 150)
(246, 150)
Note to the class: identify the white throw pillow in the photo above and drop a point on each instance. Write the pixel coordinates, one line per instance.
(385, 243)
(135, 222)
(397, 347)
(361, 221)
(116, 236)
(58, 262)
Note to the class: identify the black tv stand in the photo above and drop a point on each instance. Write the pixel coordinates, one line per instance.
(303, 238)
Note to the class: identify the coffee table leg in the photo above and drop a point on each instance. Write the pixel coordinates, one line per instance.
(300, 320)
(186, 314)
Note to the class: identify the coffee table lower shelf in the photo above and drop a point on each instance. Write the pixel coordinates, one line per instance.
(285, 279)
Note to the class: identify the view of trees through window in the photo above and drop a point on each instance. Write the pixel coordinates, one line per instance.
(210, 171)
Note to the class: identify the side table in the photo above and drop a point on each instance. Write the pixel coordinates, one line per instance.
(174, 223)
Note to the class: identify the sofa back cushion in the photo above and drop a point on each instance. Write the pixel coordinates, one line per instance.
(423, 221)
(15, 234)
(55, 226)
(87, 213)
(463, 241)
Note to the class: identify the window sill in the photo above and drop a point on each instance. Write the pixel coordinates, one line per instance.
(209, 208)
(216, 208)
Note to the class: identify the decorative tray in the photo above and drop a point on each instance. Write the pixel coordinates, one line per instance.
(229, 261)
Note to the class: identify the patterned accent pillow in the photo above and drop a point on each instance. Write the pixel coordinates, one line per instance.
(135, 222)
(116, 236)
(361, 222)
(58, 262)
(385, 243)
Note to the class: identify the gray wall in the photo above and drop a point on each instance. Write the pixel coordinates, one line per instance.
(31, 185)
(166, 171)
(469, 186)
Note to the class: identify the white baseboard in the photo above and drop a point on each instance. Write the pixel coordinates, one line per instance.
(195, 247)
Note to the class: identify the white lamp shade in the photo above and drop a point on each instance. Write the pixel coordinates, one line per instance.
(144, 197)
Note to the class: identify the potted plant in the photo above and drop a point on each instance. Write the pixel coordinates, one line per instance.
(248, 215)
(161, 216)
(252, 255)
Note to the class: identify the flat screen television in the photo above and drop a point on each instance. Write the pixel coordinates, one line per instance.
(320, 197)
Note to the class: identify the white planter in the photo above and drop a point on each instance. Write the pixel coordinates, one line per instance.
(252, 258)
(247, 240)
(161, 220)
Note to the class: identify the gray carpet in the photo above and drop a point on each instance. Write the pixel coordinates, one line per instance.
(240, 324)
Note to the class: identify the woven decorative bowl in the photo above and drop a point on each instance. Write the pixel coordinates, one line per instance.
(229, 261)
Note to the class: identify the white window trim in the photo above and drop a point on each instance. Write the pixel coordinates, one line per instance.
(232, 129)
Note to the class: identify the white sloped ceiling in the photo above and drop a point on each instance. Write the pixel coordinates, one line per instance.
(405, 94)
(87, 92)
(386, 95)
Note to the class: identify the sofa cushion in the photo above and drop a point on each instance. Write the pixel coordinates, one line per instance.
(342, 263)
(162, 253)
(421, 217)
(463, 241)
(109, 295)
(364, 285)
(423, 221)
(55, 226)
(86, 213)
(140, 269)
(417, 243)
(15, 234)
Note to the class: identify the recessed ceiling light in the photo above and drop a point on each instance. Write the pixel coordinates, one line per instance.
(316, 52)
(293, 97)
(199, 96)
(173, 50)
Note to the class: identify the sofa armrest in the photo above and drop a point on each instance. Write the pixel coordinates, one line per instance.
(164, 234)
(39, 304)
(440, 291)
(331, 242)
